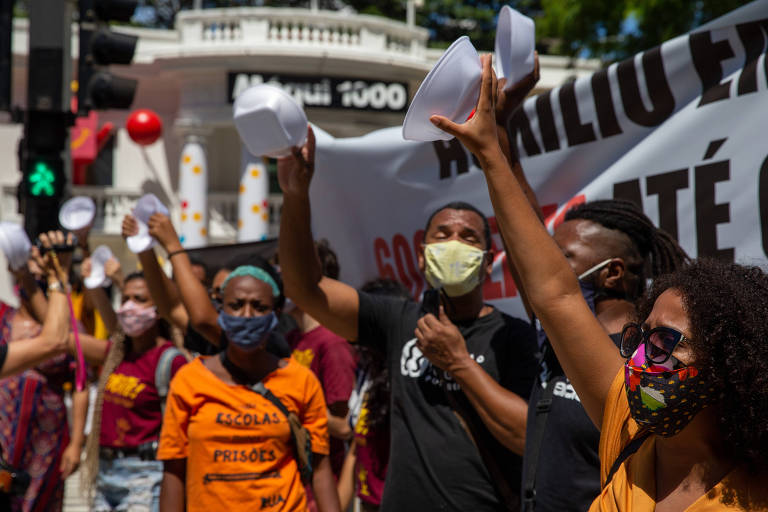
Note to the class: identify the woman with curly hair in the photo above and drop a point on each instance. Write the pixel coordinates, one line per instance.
(683, 409)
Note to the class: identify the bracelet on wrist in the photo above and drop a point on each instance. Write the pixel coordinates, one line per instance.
(57, 286)
(174, 253)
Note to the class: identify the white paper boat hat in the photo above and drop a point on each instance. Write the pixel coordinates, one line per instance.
(451, 89)
(270, 122)
(146, 206)
(515, 44)
(15, 244)
(77, 213)
(98, 277)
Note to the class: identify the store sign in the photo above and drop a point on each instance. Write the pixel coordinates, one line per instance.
(327, 92)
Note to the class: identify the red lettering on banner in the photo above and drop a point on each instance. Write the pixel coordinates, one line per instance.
(381, 251)
(506, 287)
(553, 223)
(406, 269)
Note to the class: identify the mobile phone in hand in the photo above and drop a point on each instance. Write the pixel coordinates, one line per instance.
(431, 301)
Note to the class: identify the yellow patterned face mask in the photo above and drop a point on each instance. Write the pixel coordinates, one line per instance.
(453, 266)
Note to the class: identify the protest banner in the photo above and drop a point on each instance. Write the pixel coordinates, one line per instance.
(681, 129)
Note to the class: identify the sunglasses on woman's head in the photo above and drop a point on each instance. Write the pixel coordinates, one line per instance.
(660, 342)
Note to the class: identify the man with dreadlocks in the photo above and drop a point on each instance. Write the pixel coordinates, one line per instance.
(614, 249)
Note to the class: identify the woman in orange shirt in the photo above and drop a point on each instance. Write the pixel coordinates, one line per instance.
(684, 411)
(227, 447)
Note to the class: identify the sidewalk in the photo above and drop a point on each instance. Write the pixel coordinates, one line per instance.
(74, 501)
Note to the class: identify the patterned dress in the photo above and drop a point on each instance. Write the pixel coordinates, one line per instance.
(33, 419)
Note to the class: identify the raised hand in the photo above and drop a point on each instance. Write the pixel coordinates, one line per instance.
(161, 228)
(294, 172)
(85, 268)
(509, 100)
(478, 134)
(129, 227)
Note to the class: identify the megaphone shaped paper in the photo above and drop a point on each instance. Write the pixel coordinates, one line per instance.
(15, 244)
(146, 206)
(77, 213)
(451, 89)
(270, 122)
(515, 45)
(98, 277)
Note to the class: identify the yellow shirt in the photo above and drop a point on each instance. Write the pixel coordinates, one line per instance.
(633, 487)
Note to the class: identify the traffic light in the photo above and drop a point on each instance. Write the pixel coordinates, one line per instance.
(99, 47)
(44, 149)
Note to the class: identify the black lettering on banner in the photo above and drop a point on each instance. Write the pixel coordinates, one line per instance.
(238, 423)
(708, 213)
(448, 152)
(629, 191)
(275, 418)
(247, 419)
(254, 455)
(216, 455)
(751, 35)
(519, 123)
(575, 131)
(706, 56)
(606, 112)
(665, 186)
(656, 83)
(547, 122)
(266, 420)
(763, 202)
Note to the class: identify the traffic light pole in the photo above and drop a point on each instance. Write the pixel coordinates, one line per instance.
(44, 152)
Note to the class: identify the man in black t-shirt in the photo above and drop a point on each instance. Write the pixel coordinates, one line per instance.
(460, 373)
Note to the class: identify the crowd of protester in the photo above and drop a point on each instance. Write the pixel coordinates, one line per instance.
(635, 383)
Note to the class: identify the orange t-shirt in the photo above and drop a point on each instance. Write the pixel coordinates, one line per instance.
(633, 486)
(238, 445)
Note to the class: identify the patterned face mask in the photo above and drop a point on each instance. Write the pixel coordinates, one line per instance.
(134, 319)
(662, 399)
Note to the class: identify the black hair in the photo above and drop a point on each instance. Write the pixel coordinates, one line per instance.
(462, 206)
(260, 262)
(653, 251)
(727, 307)
(136, 274)
(329, 262)
(196, 262)
(373, 361)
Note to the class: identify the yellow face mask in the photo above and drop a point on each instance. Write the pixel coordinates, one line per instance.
(453, 266)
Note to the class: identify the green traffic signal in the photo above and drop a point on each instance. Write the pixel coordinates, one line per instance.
(42, 180)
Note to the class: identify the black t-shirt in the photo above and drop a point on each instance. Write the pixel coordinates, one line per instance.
(568, 469)
(433, 463)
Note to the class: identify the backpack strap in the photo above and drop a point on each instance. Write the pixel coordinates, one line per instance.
(543, 408)
(163, 374)
(628, 450)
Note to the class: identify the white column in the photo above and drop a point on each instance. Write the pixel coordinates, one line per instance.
(193, 193)
(253, 204)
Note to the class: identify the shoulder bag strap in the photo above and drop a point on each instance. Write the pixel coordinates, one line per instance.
(536, 438)
(163, 374)
(628, 450)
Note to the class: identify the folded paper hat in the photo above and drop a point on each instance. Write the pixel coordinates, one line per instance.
(77, 213)
(15, 244)
(98, 277)
(515, 44)
(451, 90)
(146, 206)
(270, 122)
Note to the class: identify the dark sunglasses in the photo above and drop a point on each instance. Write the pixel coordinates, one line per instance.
(660, 342)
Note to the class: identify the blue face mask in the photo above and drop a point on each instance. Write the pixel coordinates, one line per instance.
(247, 332)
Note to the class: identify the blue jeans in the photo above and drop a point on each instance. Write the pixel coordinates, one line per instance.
(128, 484)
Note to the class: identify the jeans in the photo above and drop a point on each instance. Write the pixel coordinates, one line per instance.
(128, 484)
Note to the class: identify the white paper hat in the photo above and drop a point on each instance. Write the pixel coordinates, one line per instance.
(15, 244)
(98, 277)
(451, 89)
(146, 206)
(269, 121)
(77, 213)
(515, 43)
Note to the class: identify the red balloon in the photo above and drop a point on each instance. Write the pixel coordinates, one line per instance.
(144, 126)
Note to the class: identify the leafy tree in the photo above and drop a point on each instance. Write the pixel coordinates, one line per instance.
(616, 29)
